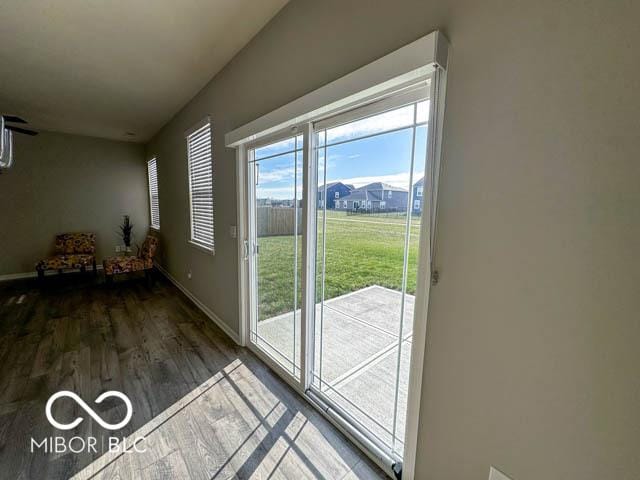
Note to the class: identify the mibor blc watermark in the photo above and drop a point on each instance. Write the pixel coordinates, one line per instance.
(77, 444)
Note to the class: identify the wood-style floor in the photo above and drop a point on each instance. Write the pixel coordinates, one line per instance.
(207, 409)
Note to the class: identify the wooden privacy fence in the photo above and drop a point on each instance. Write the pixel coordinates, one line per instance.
(271, 221)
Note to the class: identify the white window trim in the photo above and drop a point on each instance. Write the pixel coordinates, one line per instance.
(154, 158)
(424, 58)
(401, 68)
(205, 248)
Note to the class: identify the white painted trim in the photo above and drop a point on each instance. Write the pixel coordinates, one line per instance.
(308, 280)
(243, 244)
(19, 276)
(246, 214)
(425, 266)
(394, 100)
(206, 310)
(401, 68)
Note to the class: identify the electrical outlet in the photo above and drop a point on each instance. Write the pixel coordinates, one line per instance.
(495, 474)
(117, 248)
(233, 231)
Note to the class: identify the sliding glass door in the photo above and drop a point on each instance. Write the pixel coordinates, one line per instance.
(371, 164)
(275, 229)
(334, 216)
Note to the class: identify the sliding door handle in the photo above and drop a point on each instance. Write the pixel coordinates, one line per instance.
(245, 247)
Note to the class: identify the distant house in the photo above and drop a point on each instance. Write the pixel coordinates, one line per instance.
(375, 196)
(335, 191)
(418, 195)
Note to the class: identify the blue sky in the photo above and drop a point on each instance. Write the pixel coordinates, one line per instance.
(385, 157)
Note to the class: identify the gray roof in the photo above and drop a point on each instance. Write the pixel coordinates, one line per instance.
(370, 191)
(331, 184)
(362, 194)
(382, 186)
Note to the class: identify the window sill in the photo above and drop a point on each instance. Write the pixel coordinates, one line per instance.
(202, 248)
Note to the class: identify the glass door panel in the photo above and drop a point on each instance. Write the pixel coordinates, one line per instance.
(370, 167)
(275, 191)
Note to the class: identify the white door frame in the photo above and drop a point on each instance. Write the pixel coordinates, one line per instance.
(247, 275)
(427, 57)
(426, 270)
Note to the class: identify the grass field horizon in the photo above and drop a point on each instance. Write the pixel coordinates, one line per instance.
(361, 251)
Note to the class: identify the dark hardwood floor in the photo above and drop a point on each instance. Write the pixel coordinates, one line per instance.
(207, 409)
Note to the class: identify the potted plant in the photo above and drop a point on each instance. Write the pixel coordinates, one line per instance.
(125, 232)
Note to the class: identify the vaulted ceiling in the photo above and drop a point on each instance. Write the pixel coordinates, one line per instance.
(117, 69)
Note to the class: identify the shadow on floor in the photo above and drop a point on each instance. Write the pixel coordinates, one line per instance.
(205, 407)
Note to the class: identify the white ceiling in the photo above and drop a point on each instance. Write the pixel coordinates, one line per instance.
(104, 68)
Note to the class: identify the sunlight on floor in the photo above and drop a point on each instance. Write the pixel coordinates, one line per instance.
(256, 436)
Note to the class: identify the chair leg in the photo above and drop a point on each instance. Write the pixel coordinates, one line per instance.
(147, 274)
(95, 268)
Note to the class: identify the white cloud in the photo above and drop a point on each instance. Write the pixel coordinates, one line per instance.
(396, 179)
(398, 118)
(279, 174)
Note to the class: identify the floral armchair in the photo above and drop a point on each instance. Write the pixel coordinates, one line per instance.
(72, 250)
(142, 262)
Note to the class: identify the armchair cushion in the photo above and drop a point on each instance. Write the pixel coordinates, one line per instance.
(144, 260)
(61, 262)
(73, 250)
(114, 265)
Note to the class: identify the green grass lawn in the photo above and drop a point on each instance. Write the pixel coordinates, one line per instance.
(361, 250)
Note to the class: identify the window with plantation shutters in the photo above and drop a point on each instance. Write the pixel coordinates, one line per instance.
(200, 162)
(154, 199)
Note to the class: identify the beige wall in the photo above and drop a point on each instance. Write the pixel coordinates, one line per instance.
(62, 183)
(534, 334)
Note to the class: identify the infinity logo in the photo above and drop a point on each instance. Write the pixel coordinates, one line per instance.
(89, 410)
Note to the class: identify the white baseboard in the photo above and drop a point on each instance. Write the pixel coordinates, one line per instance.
(19, 276)
(206, 310)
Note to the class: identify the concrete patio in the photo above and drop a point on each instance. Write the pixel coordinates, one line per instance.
(356, 356)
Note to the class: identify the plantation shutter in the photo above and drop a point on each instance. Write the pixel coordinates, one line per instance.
(154, 199)
(201, 185)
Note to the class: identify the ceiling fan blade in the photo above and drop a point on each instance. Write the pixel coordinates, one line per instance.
(21, 130)
(13, 119)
